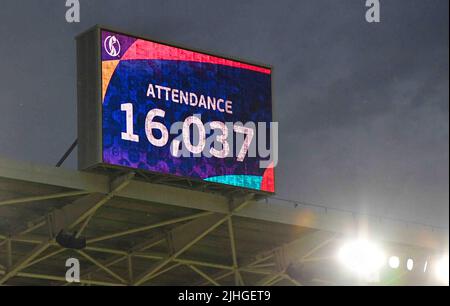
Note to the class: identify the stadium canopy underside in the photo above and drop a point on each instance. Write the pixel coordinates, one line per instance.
(142, 231)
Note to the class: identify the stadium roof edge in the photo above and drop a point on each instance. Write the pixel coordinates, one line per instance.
(339, 222)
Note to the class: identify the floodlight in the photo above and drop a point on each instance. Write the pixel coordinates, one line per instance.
(362, 257)
(442, 269)
(394, 262)
(410, 264)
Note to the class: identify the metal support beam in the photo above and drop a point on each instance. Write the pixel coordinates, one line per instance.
(62, 279)
(136, 250)
(260, 259)
(124, 255)
(68, 217)
(32, 227)
(42, 197)
(222, 276)
(270, 279)
(130, 269)
(38, 260)
(266, 265)
(106, 269)
(33, 239)
(182, 238)
(244, 268)
(317, 259)
(82, 209)
(294, 281)
(116, 186)
(9, 259)
(94, 269)
(257, 271)
(148, 227)
(164, 271)
(295, 252)
(275, 280)
(17, 232)
(84, 225)
(21, 264)
(252, 267)
(342, 222)
(300, 249)
(320, 245)
(237, 275)
(204, 275)
(331, 221)
(185, 236)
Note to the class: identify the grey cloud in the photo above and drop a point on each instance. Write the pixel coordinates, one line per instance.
(363, 108)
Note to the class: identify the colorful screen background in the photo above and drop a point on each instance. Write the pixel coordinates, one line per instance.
(125, 79)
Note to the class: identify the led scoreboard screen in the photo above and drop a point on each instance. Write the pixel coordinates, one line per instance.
(168, 110)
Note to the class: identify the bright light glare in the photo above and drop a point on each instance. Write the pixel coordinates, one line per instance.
(394, 262)
(362, 257)
(442, 270)
(410, 264)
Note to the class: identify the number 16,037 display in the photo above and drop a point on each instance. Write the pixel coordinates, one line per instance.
(174, 111)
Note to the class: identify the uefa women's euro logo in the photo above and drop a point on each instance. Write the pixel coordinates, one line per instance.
(112, 46)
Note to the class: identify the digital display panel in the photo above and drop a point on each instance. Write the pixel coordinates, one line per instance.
(174, 111)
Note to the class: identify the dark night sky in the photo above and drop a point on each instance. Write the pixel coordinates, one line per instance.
(363, 108)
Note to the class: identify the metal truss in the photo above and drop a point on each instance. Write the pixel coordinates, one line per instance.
(181, 238)
(93, 191)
